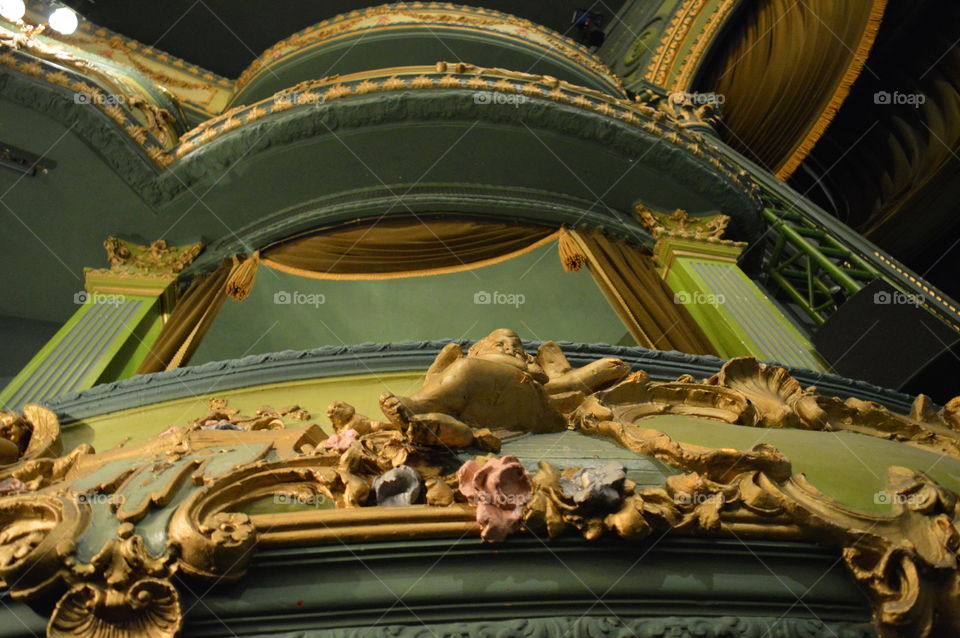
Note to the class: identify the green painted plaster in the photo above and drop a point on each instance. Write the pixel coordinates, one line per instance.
(125, 363)
(32, 367)
(96, 344)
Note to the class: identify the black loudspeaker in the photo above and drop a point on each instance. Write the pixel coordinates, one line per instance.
(888, 338)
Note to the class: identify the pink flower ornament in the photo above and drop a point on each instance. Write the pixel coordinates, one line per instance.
(341, 441)
(500, 488)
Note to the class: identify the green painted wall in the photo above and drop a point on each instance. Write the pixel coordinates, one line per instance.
(555, 305)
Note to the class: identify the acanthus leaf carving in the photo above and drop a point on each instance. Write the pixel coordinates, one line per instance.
(907, 560)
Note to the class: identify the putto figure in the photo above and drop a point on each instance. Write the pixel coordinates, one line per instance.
(499, 386)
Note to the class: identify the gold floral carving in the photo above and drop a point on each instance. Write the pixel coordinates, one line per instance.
(681, 225)
(227, 462)
(690, 110)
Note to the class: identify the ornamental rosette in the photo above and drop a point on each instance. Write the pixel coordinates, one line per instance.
(500, 489)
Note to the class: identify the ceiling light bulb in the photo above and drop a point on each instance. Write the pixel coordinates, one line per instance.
(12, 10)
(63, 20)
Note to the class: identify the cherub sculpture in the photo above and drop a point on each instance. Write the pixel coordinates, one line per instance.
(497, 385)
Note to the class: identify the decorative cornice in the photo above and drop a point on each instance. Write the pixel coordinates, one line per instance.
(86, 96)
(447, 77)
(347, 103)
(378, 358)
(429, 14)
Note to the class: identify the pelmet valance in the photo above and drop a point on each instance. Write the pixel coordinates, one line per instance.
(409, 248)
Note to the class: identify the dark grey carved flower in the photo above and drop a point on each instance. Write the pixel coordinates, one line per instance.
(600, 487)
(222, 425)
(400, 486)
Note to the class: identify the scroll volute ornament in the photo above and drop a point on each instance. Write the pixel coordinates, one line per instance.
(32, 435)
(37, 533)
(218, 544)
(908, 561)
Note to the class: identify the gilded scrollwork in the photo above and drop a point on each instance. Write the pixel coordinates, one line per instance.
(411, 474)
(31, 435)
(907, 561)
(123, 591)
(681, 225)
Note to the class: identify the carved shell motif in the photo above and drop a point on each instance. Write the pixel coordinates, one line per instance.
(778, 400)
(149, 607)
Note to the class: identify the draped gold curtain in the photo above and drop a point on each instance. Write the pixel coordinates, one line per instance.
(644, 301)
(403, 248)
(190, 319)
(784, 71)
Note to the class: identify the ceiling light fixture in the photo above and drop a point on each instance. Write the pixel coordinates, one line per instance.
(63, 20)
(12, 10)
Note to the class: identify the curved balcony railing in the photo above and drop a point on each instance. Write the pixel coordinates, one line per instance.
(420, 33)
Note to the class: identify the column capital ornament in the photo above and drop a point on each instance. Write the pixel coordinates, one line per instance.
(140, 270)
(680, 224)
(156, 258)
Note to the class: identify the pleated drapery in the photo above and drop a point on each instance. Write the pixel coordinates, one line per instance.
(404, 248)
(644, 301)
(190, 319)
(785, 70)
